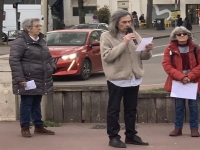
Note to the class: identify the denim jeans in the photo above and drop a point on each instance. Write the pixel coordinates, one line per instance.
(180, 113)
(30, 108)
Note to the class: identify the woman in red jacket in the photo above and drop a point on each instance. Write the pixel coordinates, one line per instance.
(181, 65)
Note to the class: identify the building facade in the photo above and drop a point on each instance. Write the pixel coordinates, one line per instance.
(161, 8)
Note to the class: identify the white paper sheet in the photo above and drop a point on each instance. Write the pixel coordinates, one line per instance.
(30, 85)
(144, 42)
(187, 91)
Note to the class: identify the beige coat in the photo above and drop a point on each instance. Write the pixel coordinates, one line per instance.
(121, 61)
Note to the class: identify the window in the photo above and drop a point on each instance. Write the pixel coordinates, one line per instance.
(66, 38)
(103, 27)
(87, 10)
(94, 37)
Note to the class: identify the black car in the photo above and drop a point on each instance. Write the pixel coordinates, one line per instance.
(102, 26)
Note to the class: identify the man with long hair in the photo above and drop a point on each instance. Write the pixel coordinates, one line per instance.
(123, 69)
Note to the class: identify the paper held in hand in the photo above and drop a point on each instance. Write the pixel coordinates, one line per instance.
(186, 91)
(30, 85)
(144, 42)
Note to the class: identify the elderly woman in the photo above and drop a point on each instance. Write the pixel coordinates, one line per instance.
(30, 60)
(181, 63)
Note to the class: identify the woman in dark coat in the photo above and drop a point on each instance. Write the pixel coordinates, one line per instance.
(30, 60)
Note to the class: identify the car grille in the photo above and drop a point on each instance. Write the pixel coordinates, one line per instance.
(55, 60)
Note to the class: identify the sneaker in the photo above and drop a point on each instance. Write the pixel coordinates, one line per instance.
(25, 132)
(43, 130)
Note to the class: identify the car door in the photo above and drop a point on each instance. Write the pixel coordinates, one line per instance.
(95, 50)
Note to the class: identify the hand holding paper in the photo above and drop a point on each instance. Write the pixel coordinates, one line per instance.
(30, 85)
(187, 91)
(144, 43)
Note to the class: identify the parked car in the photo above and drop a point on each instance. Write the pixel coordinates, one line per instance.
(102, 26)
(75, 52)
(8, 34)
(4, 35)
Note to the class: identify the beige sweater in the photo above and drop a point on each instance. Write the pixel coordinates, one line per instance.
(119, 60)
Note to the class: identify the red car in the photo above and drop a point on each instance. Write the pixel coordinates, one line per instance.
(75, 52)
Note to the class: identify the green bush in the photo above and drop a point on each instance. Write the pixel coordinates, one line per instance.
(103, 14)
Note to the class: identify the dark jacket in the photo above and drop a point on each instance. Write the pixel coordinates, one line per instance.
(179, 22)
(187, 24)
(31, 60)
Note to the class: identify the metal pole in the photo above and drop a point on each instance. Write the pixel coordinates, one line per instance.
(176, 7)
(16, 12)
(44, 16)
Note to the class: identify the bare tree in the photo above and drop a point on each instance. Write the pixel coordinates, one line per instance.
(1, 19)
(81, 11)
(149, 13)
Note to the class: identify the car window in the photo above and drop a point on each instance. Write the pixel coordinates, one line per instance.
(103, 27)
(66, 38)
(92, 26)
(74, 27)
(94, 37)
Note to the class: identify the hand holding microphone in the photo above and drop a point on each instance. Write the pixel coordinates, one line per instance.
(130, 36)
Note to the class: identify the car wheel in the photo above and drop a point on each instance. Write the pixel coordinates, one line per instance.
(85, 70)
(4, 37)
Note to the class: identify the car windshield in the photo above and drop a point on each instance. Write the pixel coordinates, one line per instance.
(66, 38)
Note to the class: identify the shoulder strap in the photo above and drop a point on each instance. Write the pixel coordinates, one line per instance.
(196, 52)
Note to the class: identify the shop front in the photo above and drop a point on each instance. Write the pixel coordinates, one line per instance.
(193, 12)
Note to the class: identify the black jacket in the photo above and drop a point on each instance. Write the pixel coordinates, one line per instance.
(31, 60)
(179, 22)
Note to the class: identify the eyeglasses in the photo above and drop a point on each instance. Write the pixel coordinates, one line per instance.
(179, 34)
(37, 26)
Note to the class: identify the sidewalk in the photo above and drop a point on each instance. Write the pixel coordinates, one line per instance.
(163, 33)
(82, 137)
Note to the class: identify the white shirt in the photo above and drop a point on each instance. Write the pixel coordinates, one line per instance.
(128, 83)
(35, 39)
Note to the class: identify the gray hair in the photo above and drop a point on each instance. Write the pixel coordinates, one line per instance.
(28, 23)
(114, 20)
(180, 29)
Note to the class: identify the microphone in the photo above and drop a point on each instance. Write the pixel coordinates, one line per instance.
(129, 30)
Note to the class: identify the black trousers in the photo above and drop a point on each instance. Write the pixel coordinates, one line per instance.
(130, 96)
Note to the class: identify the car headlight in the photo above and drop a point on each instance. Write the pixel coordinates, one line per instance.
(71, 56)
(65, 57)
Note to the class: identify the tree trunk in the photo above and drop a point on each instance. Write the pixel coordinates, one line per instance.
(81, 12)
(1, 19)
(149, 13)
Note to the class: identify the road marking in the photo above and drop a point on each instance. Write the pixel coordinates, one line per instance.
(156, 55)
(160, 46)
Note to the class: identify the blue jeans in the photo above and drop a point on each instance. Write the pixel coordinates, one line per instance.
(180, 113)
(30, 108)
